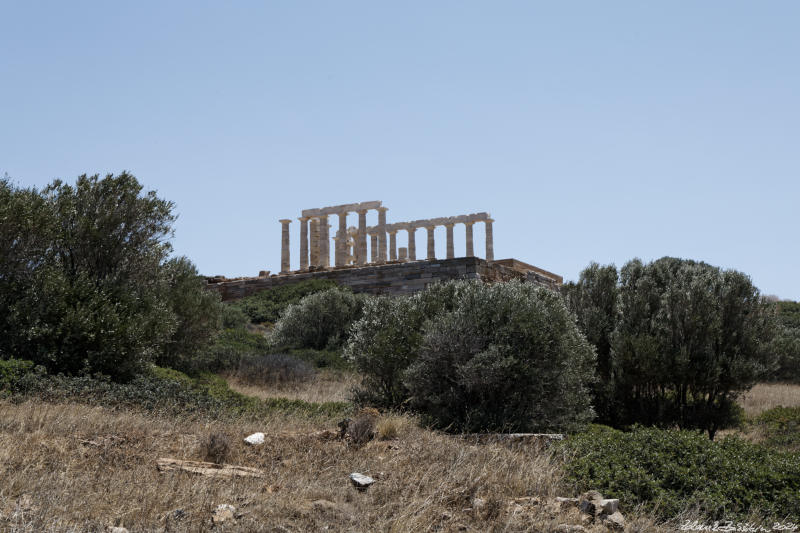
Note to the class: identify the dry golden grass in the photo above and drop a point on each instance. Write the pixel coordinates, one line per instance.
(325, 386)
(768, 395)
(77, 468)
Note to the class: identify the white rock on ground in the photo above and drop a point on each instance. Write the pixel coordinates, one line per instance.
(361, 481)
(223, 512)
(255, 439)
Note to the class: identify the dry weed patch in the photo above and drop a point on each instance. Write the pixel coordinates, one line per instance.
(71, 467)
(765, 396)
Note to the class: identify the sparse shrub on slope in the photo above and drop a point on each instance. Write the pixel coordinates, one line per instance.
(780, 427)
(274, 369)
(509, 357)
(673, 471)
(265, 307)
(318, 321)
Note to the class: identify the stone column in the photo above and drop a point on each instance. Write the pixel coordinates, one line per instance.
(431, 243)
(393, 245)
(341, 251)
(285, 256)
(470, 246)
(353, 243)
(362, 237)
(303, 243)
(314, 244)
(451, 253)
(324, 242)
(402, 253)
(412, 243)
(489, 240)
(374, 255)
(382, 234)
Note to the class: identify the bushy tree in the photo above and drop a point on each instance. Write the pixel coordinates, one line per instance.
(197, 312)
(594, 301)
(83, 285)
(473, 356)
(509, 357)
(690, 338)
(320, 320)
(386, 340)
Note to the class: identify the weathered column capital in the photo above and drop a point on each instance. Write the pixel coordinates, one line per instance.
(285, 221)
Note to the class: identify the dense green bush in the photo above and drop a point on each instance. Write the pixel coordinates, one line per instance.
(594, 301)
(84, 282)
(678, 341)
(265, 306)
(475, 356)
(197, 311)
(509, 357)
(234, 317)
(780, 427)
(672, 471)
(319, 321)
(386, 340)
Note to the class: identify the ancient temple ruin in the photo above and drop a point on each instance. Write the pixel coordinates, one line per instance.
(350, 243)
(368, 258)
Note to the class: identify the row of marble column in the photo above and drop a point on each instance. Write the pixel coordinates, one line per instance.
(351, 244)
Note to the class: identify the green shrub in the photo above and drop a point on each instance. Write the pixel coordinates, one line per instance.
(230, 347)
(386, 340)
(85, 281)
(265, 306)
(233, 317)
(780, 427)
(12, 370)
(164, 391)
(672, 471)
(318, 321)
(475, 357)
(198, 314)
(509, 357)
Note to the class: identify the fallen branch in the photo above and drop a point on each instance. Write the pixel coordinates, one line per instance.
(207, 469)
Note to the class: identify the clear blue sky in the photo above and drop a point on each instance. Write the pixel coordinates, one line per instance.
(589, 130)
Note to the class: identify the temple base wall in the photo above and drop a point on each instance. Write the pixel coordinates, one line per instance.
(393, 278)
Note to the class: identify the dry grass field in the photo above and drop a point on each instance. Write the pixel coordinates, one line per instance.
(71, 467)
(768, 395)
(325, 386)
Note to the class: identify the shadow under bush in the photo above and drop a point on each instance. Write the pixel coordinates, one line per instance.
(274, 369)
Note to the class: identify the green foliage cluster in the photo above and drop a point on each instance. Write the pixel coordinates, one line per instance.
(476, 357)
(161, 390)
(265, 307)
(319, 321)
(786, 345)
(780, 427)
(671, 471)
(677, 341)
(85, 284)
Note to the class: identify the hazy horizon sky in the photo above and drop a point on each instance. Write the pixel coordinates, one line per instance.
(591, 131)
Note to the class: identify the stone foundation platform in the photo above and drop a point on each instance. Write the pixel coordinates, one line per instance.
(394, 278)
